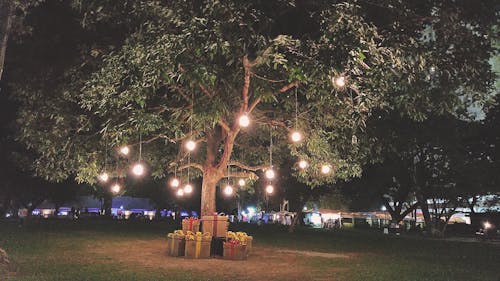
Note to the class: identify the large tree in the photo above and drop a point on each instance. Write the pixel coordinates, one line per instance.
(170, 72)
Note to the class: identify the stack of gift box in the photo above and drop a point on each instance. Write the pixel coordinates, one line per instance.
(213, 240)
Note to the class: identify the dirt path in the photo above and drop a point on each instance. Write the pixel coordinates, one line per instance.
(264, 263)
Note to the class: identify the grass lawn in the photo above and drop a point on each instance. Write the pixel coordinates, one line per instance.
(119, 251)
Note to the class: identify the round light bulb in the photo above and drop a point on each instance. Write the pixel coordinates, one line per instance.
(303, 164)
(228, 190)
(244, 121)
(296, 136)
(180, 192)
(190, 145)
(325, 169)
(269, 189)
(188, 188)
(174, 182)
(138, 169)
(115, 188)
(104, 177)
(339, 81)
(270, 173)
(124, 150)
(487, 225)
(241, 182)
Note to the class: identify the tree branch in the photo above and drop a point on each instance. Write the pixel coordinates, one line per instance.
(224, 125)
(188, 165)
(205, 90)
(248, 175)
(248, 167)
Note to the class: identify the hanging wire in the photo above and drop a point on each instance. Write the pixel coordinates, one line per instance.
(271, 146)
(140, 145)
(296, 109)
(191, 134)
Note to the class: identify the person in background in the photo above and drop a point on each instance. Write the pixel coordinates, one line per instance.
(22, 213)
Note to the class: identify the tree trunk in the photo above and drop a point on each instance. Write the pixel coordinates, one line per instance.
(208, 190)
(6, 15)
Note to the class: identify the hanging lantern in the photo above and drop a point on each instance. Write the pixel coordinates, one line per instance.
(125, 150)
(228, 190)
(296, 136)
(269, 189)
(270, 173)
(244, 120)
(325, 169)
(339, 81)
(188, 188)
(303, 164)
(190, 145)
(241, 182)
(138, 169)
(104, 177)
(115, 188)
(174, 182)
(180, 192)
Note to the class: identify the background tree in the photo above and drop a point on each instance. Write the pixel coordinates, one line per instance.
(150, 69)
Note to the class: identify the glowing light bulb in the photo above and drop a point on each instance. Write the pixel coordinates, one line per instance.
(244, 121)
(124, 150)
(228, 190)
(269, 189)
(174, 182)
(339, 81)
(180, 192)
(138, 169)
(296, 136)
(487, 225)
(241, 182)
(188, 188)
(190, 145)
(325, 169)
(115, 188)
(104, 177)
(270, 173)
(303, 164)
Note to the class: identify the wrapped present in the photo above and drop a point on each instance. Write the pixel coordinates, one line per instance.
(234, 250)
(191, 224)
(242, 237)
(217, 246)
(198, 245)
(215, 225)
(176, 243)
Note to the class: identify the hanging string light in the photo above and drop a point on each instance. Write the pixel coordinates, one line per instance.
(244, 120)
(104, 177)
(339, 81)
(303, 164)
(270, 174)
(175, 181)
(180, 192)
(125, 150)
(296, 136)
(138, 168)
(325, 169)
(190, 145)
(269, 188)
(115, 188)
(228, 190)
(241, 182)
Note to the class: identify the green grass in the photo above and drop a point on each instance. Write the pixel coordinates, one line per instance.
(58, 250)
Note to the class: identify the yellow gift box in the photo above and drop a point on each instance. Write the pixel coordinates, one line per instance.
(176, 243)
(198, 245)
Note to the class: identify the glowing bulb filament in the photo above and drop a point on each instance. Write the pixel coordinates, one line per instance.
(138, 169)
(296, 136)
(190, 145)
(303, 164)
(104, 177)
(269, 189)
(174, 183)
(270, 174)
(188, 188)
(244, 120)
(115, 188)
(325, 169)
(241, 182)
(339, 81)
(228, 190)
(124, 150)
(180, 192)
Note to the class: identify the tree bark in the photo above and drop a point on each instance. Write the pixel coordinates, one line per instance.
(6, 15)
(208, 190)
